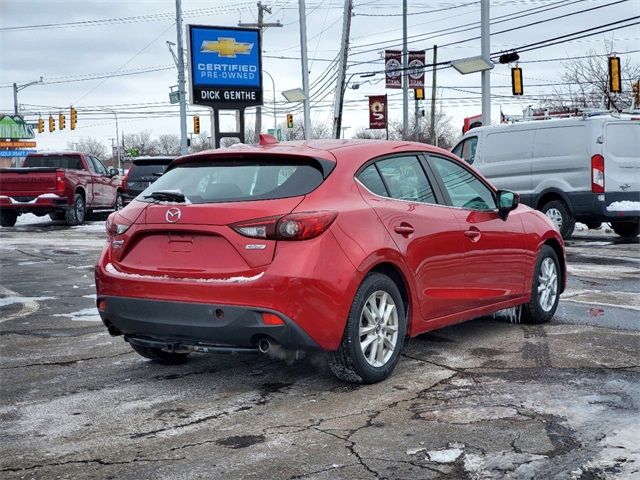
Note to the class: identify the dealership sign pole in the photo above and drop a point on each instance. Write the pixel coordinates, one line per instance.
(225, 72)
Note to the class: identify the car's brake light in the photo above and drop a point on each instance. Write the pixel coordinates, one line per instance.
(295, 226)
(60, 187)
(124, 181)
(597, 174)
(116, 225)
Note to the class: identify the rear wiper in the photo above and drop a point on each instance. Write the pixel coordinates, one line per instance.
(167, 196)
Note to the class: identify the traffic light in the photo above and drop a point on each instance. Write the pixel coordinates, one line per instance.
(61, 122)
(289, 120)
(40, 125)
(418, 93)
(74, 118)
(636, 92)
(52, 124)
(196, 124)
(615, 82)
(516, 81)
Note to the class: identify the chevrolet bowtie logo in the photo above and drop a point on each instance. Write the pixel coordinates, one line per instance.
(226, 47)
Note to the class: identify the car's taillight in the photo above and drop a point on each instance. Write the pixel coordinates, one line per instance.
(116, 225)
(60, 182)
(597, 174)
(295, 226)
(124, 181)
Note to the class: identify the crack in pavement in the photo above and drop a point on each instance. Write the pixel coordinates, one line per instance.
(65, 363)
(99, 461)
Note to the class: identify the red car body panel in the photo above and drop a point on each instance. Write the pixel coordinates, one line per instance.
(41, 189)
(448, 276)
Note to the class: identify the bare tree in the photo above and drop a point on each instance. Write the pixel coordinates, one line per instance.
(420, 130)
(169, 144)
(368, 134)
(199, 143)
(140, 144)
(89, 145)
(318, 130)
(588, 80)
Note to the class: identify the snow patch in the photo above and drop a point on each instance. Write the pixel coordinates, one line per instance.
(111, 269)
(44, 195)
(449, 455)
(11, 300)
(85, 315)
(624, 206)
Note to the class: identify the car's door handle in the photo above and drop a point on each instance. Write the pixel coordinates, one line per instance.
(473, 235)
(403, 229)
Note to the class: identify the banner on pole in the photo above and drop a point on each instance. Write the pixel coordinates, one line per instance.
(378, 112)
(416, 69)
(393, 68)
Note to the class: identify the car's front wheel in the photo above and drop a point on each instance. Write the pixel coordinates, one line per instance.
(160, 356)
(374, 334)
(545, 291)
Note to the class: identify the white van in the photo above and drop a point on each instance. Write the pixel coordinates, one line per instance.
(584, 169)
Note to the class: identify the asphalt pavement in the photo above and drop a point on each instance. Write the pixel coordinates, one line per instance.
(484, 399)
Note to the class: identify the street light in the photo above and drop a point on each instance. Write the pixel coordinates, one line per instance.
(337, 123)
(17, 88)
(472, 65)
(273, 83)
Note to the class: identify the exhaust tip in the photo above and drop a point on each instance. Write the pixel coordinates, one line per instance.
(264, 345)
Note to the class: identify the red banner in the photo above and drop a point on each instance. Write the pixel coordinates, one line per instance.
(416, 69)
(393, 68)
(378, 112)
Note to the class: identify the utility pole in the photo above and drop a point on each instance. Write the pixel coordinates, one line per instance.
(405, 73)
(181, 82)
(16, 89)
(342, 68)
(305, 67)
(260, 26)
(485, 18)
(433, 97)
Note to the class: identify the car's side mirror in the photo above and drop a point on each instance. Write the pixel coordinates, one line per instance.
(507, 201)
(113, 172)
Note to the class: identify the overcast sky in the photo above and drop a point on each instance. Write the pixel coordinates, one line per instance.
(65, 53)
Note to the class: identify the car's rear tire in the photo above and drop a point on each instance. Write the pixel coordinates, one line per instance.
(626, 229)
(76, 213)
(560, 215)
(545, 291)
(8, 218)
(119, 204)
(57, 215)
(372, 339)
(160, 356)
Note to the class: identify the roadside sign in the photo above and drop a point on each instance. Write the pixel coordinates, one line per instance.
(15, 128)
(225, 66)
(15, 153)
(174, 97)
(392, 68)
(416, 69)
(16, 144)
(378, 112)
(276, 133)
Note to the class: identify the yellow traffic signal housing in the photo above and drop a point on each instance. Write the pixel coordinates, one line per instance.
(196, 124)
(516, 81)
(73, 118)
(289, 120)
(40, 125)
(636, 92)
(52, 124)
(419, 93)
(615, 81)
(61, 122)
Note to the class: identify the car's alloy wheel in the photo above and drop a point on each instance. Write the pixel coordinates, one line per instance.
(378, 328)
(75, 213)
(555, 216)
(559, 214)
(119, 205)
(545, 291)
(374, 333)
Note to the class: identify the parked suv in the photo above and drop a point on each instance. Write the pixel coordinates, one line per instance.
(143, 172)
(584, 169)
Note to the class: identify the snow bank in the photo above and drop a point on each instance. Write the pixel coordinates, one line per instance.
(624, 206)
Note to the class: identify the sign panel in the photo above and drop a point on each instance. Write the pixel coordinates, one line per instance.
(15, 128)
(225, 65)
(16, 144)
(174, 97)
(276, 133)
(15, 153)
(416, 69)
(393, 68)
(378, 112)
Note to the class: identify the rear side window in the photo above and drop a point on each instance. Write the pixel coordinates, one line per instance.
(67, 162)
(239, 180)
(370, 178)
(406, 180)
(147, 172)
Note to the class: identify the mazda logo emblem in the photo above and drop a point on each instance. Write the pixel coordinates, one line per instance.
(173, 215)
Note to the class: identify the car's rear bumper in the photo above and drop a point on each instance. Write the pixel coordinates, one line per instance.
(198, 326)
(607, 207)
(37, 204)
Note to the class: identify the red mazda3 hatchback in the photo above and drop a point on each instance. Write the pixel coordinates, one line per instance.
(348, 247)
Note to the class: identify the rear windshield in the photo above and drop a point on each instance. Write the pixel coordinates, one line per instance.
(147, 172)
(237, 181)
(68, 162)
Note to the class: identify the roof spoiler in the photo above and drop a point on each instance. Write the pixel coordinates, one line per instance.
(266, 139)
